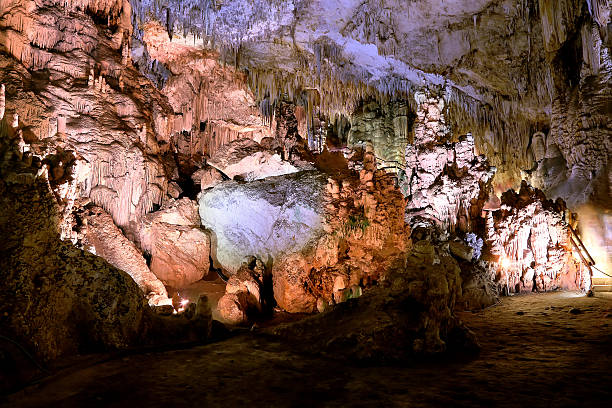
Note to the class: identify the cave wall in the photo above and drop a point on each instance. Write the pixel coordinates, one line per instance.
(388, 126)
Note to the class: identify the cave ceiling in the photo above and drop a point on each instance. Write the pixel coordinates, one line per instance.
(486, 49)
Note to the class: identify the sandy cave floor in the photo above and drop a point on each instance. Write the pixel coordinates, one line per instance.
(545, 350)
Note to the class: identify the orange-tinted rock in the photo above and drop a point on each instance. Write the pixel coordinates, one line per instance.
(100, 235)
(179, 248)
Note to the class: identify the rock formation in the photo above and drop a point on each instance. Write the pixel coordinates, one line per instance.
(99, 235)
(265, 218)
(246, 296)
(57, 298)
(364, 234)
(410, 315)
(531, 238)
(445, 181)
(249, 161)
(344, 157)
(387, 127)
(178, 248)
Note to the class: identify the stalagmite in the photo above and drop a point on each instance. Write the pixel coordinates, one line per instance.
(15, 122)
(61, 124)
(2, 101)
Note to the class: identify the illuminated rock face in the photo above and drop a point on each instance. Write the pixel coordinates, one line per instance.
(179, 248)
(532, 239)
(364, 235)
(100, 236)
(245, 293)
(266, 218)
(410, 313)
(250, 161)
(443, 181)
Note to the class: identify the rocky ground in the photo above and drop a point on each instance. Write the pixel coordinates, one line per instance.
(537, 350)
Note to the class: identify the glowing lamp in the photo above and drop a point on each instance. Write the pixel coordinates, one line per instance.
(504, 262)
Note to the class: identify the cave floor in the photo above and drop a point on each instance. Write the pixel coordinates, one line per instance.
(537, 350)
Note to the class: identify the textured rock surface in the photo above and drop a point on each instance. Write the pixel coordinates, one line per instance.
(99, 235)
(101, 121)
(245, 294)
(364, 234)
(387, 127)
(443, 181)
(267, 218)
(532, 240)
(250, 161)
(410, 315)
(208, 177)
(58, 299)
(179, 248)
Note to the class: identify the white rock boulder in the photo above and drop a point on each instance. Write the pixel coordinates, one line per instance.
(267, 218)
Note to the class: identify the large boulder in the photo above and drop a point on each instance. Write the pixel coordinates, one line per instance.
(268, 218)
(179, 248)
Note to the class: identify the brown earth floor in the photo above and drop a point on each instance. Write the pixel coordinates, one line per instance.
(536, 351)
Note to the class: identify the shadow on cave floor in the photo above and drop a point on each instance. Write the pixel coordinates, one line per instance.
(537, 350)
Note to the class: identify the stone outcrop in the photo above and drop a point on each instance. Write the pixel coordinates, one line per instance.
(178, 248)
(208, 177)
(387, 126)
(58, 299)
(212, 102)
(531, 240)
(249, 161)
(246, 296)
(268, 218)
(364, 234)
(99, 235)
(410, 314)
(124, 173)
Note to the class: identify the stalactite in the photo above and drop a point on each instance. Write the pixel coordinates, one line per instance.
(591, 47)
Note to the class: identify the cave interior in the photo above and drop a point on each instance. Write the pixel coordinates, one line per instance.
(307, 202)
